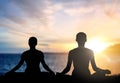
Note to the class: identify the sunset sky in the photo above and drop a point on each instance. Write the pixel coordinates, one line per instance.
(55, 23)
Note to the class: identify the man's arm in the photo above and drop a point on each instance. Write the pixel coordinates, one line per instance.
(95, 68)
(46, 66)
(17, 66)
(67, 68)
(98, 70)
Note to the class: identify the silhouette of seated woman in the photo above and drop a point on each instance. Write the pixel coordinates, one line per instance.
(80, 57)
(33, 58)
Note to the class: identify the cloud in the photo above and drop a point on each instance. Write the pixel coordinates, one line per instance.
(113, 50)
(26, 12)
(40, 11)
(34, 10)
(79, 11)
(82, 7)
(44, 44)
(54, 21)
(6, 44)
(26, 17)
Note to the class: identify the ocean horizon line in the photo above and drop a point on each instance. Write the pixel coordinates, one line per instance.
(43, 52)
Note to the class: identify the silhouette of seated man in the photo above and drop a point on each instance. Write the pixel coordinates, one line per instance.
(80, 57)
(33, 58)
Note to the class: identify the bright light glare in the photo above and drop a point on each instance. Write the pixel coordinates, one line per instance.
(96, 45)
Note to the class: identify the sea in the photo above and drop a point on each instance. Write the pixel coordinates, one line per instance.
(56, 61)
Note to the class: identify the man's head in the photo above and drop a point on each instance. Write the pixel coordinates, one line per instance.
(81, 37)
(32, 41)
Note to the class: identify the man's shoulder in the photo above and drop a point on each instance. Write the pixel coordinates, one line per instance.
(39, 51)
(88, 49)
(73, 50)
(29, 52)
(77, 49)
(25, 51)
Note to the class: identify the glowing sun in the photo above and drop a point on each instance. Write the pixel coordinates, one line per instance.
(97, 45)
